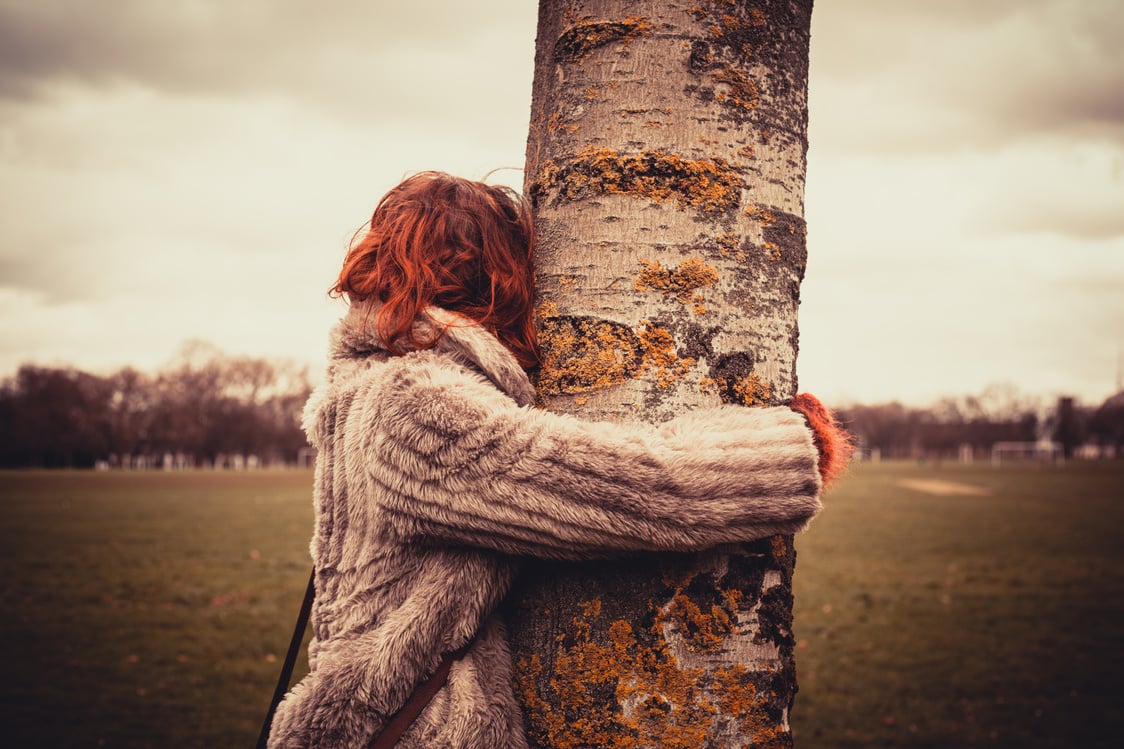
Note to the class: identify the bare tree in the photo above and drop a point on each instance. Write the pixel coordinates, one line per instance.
(666, 161)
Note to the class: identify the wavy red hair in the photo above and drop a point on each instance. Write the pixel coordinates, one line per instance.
(440, 240)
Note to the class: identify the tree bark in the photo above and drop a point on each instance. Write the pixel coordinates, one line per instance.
(666, 163)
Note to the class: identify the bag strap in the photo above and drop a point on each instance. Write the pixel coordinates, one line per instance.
(421, 697)
(399, 722)
(290, 658)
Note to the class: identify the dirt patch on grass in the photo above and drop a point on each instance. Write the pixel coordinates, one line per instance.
(944, 488)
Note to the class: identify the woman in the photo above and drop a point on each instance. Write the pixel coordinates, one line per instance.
(434, 475)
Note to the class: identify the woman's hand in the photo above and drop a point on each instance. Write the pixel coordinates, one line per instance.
(832, 440)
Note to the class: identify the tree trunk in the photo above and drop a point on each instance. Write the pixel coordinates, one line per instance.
(666, 162)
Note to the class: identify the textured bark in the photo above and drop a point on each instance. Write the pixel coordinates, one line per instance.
(666, 161)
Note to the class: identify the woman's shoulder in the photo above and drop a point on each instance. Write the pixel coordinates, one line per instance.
(427, 369)
(395, 385)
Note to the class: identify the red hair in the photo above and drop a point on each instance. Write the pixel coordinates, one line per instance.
(441, 240)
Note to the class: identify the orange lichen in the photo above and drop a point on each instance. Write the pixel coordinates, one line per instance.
(727, 243)
(547, 721)
(752, 390)
(779, 546)
(761, 215)
(578, 42)
(733, 23)
(545, 178)
(702, 631)
(747, 152)
(654, 701)
(626, 684)
(545, 310)
(742, 91)
(582, 354)
(728, 27)
(740, 698)
(660, 176)
(729, 246)
(659, 356)
(737, 382)
(681, 282)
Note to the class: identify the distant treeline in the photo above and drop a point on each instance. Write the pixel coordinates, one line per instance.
(999, 414)
(205, 409)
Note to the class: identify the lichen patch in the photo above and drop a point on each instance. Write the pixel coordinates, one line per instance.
(578, 42)
(737, 382)
(680, 282)
(729, 246)
(708, 185)
(741, 90)
(615, 686)
(581, 354)
(660, 357)
(584, 354)
(751, 390)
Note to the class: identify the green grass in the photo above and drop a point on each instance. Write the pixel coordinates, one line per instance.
(152, 609)
(935, 621)
(148, 609)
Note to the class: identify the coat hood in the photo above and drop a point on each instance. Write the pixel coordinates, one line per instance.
(355, 336)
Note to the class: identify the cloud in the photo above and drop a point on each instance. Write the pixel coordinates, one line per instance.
(927, 77)
(121, 193)
(248, 128)
(137, 218)
(367, 58)
(918, 330)
(1070, 190)
(930, 274)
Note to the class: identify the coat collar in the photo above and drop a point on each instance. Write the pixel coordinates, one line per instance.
(354, 336)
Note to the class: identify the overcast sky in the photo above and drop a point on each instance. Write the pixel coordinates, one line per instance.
(193, 169)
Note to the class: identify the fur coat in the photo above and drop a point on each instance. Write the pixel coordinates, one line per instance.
(435, 474)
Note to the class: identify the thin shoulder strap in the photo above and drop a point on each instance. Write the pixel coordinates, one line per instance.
(421, 697)
(290, 658)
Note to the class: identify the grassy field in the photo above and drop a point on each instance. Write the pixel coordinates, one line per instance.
(937, 606)
(940, 618)
(148, 609)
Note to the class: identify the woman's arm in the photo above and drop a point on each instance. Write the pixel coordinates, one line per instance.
(454, 460)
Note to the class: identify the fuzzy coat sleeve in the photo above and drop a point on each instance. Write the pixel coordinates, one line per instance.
(452, 459)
